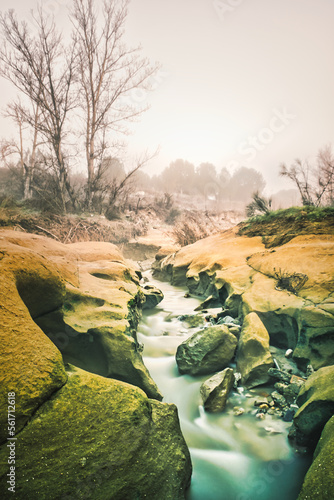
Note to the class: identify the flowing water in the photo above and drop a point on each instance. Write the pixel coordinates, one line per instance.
(233, 457)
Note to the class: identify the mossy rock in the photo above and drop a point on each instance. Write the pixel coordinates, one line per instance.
(100, 438)
(316, 401)
(319, 480)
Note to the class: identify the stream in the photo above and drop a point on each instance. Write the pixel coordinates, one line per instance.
(234, 457)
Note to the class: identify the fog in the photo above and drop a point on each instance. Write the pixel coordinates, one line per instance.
(242, 82)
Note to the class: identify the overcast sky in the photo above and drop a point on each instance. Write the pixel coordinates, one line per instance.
(242, 82)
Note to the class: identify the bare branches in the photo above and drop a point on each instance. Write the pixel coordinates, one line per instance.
(315, 183)
(36, 65)
(107, 72)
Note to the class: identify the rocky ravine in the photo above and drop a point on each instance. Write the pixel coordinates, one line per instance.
(282, 297)
(88, 418)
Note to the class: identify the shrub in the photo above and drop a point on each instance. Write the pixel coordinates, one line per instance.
(292, 282)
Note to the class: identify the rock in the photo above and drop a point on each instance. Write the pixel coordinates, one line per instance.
(210, 301)
(253, 356)
(279, 375)
(215, 390)
(192, 320)
(237, 411)
(70, 292)
(241, 273)
(153, 296)
(278, 399)
(289, 414)
(319, 480)
(207, 351)
(288, 353)
(316, 402)
(31, 365)
(102, 438)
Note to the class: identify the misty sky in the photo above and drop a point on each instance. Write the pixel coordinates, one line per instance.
(242, 83)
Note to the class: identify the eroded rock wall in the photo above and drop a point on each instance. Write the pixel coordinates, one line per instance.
(79, 434)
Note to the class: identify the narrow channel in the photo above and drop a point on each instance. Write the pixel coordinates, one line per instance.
(234, 457)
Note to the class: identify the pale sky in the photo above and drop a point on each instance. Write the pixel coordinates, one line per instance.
(242, 83)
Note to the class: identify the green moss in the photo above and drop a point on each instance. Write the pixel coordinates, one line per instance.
(319, 480)
(98, 438)
(280, 226)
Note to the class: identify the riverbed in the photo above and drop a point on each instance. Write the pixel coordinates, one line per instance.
(234, 457)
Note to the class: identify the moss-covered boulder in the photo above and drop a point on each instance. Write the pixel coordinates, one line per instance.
(316, 402)
(87, 299)
(31, 365)
(99, 438)
(253, 356)
(319, 480)
(206, 351)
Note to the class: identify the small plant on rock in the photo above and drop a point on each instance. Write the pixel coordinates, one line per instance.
(292, 282)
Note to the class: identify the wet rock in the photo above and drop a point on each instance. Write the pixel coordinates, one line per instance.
(237, 411)
(289, 414)
(279, 375)
(316, 402)
(192, 320)
(210, 301)
(207, 351)
(319, 480)
(228, 320)
(278, 399)
(253, 356)
(153, 296)
(215, 390)
(100, 438)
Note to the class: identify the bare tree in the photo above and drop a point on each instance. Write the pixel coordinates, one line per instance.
(109, 72)
(27, 158)
(325, 176)
(315, 183)
(40, 67)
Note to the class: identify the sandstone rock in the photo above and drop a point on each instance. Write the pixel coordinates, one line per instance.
(316, 402)
(319, 480)
(31, 365)
(153, 296)
(100, 438)
(253, 356)
(98, 295)
(215, 390)
(241, 274)
(207, 351)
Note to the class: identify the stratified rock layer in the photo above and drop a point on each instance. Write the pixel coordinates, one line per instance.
(241, 273)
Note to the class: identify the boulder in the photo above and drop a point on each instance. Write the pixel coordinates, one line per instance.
(85, 297)
(253, 356)
(215, 390)
(316, 407)
(31, 365)
(153, 296)
(319, 480)
(207, 351)
(99, 438)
